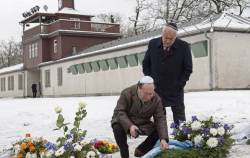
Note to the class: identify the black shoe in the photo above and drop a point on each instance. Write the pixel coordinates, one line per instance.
(138, 153)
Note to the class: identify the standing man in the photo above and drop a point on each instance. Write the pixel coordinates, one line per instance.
(136, 105)
(34, 90)
(169, 61)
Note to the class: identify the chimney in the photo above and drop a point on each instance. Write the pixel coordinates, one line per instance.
(66, 4)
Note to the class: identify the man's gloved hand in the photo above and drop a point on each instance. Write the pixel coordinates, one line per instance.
(133, 131)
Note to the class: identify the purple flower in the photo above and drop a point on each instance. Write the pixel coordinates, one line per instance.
(50, 146)
(216, 125)
(194, 118)
(185, 130)
(226, 127)
(221, 139)
(67, 146)
(205, 131)
(173, 125)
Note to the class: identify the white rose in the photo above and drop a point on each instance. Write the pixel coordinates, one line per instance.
(213, 131)
(83, 143)
(91, 154)
(49, 153)
(28, 155)
(198, 140)
(77, 147)
(60, 151)
(212, 142)
(58, 109)
(82, 105)
(196, 125)
(221, 131)
(33, 155)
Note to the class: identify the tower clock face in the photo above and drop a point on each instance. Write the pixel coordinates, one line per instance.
(60, 4)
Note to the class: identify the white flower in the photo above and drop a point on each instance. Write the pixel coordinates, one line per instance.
(49, 153)
(82, 105)
(189, 136)
(212, 142)
(33, 155)
(213, 131)
(77, 147)
(198, 140)
(221, 131)
(91, 154)
(196, 125)
(58, 109)
(60, 151)
(28, 155)
(83, 143)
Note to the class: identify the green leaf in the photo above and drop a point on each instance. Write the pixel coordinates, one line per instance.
(60, 120)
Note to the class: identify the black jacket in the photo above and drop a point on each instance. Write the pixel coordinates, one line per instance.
(169, 71)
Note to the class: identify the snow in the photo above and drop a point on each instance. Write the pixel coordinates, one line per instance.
(66, 10)
(12, 68)
(37, 116)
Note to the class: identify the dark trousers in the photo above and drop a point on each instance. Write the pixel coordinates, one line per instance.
(121, 140)
(34, 94)
(178, 113)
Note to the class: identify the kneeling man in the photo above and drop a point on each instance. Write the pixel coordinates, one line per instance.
(136, 105)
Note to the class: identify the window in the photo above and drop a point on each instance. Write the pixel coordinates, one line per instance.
(74, 50)
(36, 50)
(140, 57)
(122, 62)
(55, 46)
(73, 69)
(20, 82)
(47, 78)
(3, 84)
(103, 65)
(30, 51)
(95, 66)
(199, 49)
(87, 67)
(112, 63)
(80, 68)
(132, 60)
(59, 76)
(11, 83)
(76, 24)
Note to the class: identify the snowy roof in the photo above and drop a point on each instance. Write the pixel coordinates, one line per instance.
(66, 10)
(222, 22)
(11, 68)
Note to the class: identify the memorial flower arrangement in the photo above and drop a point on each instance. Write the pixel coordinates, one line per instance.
(105, 147)
(72, 143)
(30, 147)
(210, 138)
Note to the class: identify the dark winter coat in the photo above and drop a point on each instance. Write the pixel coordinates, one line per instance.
(170, 71)
(131, 111)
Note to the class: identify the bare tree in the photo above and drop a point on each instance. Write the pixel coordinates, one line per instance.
(108, 18)
(241, 5)
(10, 53)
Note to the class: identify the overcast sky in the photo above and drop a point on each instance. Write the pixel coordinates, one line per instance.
(11, 12)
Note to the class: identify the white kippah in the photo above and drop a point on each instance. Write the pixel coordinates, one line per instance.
(146, 79)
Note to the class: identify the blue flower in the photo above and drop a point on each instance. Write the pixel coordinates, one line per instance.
(226, 127)
(50, 146)
(173, 125)
(185, 130)
(67, 146)
(194, 118)
(221, 139)
(205, 131)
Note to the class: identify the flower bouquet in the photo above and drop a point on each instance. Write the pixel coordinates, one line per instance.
(30, 147)
(105, 147)
(210, 138)
(72, 144)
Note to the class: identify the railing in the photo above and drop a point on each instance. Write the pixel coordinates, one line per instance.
(73, 25)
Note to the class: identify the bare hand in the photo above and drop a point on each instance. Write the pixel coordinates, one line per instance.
(164, 144)
(133, 129)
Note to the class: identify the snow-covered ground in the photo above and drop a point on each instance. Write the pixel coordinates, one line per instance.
(37, 116)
